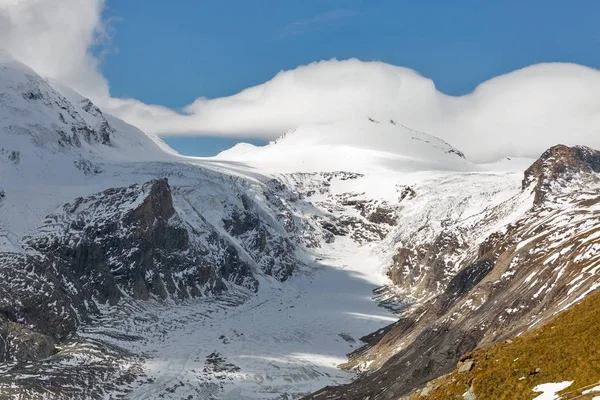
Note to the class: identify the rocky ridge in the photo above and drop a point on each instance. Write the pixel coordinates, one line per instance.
(126, 243)
(515, 279)
(516, 367)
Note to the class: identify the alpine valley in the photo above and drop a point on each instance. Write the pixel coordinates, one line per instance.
(360, 259)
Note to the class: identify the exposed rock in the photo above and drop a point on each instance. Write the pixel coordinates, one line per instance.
(422, 268)
(489, 291)
(407, 193)
(123, 241)
(457, 152)
(425, 391)
(272, 253)
(131, 239)
(14, 156)
(348, 214)
(347, 338)
(40, 306)
(91, 108)
(21, 344)
(215, 362)
(561, 166)
(466, 366)
(91, 371)
(470, 394)
(87, 167)
(35, 89)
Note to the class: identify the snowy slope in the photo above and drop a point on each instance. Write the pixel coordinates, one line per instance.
(36, 116)
(52, 147)
(359, 145)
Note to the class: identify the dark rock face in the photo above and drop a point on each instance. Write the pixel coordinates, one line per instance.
(90, 108)
(347, 214)
(22, 344)
(407, 193)
(131, 240)
(121, 242)
(39, 307)
(91, 370)
(272, 252)
(374, 213)
(87, 167)
(514, 279)
(422, 268)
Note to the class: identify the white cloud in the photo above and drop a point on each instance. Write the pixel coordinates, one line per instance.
(521, 113)
(317, 93)
(54, 37)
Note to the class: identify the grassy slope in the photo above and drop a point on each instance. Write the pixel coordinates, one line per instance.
(566, 348)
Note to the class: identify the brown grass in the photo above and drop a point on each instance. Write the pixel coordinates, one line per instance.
(566, 348)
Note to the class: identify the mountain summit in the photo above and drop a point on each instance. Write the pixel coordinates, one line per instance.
(355, 145)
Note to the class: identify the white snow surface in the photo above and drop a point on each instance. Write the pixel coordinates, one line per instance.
(286, 341)
(358, 144)
(550, 390)
(595, 389)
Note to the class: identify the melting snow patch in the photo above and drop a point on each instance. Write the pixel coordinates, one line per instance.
(530, 276)
(550, 390)
(593, 390)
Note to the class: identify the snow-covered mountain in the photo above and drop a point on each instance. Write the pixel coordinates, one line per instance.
(133, 272)
(486, 277)
(121, 254)
(357, 145)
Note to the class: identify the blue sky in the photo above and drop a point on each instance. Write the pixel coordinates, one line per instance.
(170, 53)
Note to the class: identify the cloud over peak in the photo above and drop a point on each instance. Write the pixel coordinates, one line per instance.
(520, 113)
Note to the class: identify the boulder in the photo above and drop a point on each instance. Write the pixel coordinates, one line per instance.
(466, 366)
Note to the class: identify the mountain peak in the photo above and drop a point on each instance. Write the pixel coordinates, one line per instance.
(559, 167)
(34, 107)
(355, 144)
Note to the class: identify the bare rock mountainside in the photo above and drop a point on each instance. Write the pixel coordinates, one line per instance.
(129, 271)
(469, 295)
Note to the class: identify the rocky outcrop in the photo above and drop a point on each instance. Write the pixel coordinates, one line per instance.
(272, 252)
(421, 268)
(22, 344)
(39, 307)
(131, 241)
(347, 214)
(121, 242)
(561, 167)
(516, 278)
